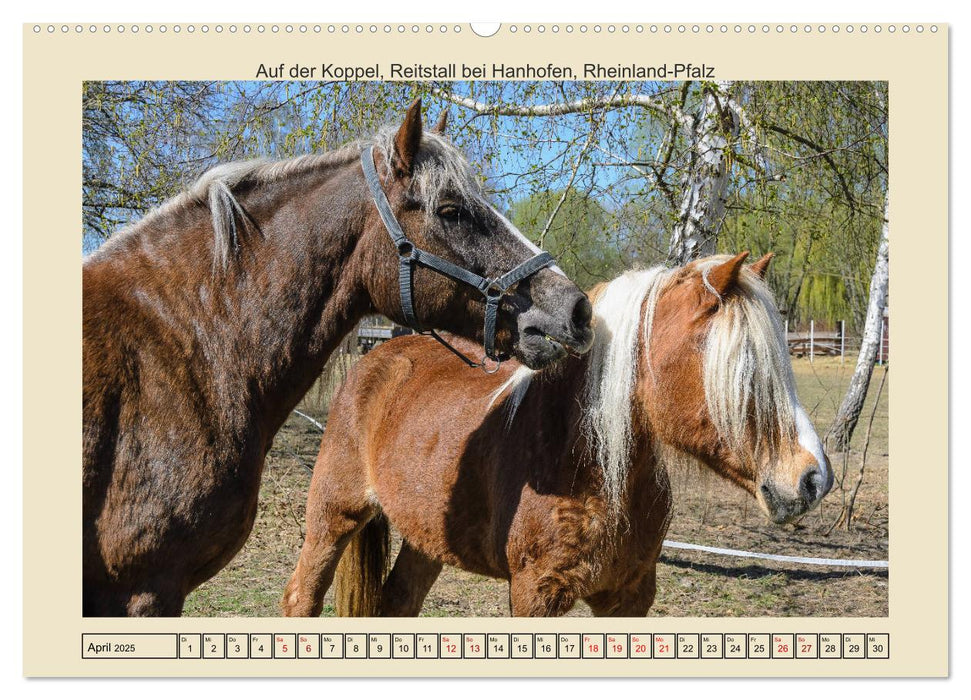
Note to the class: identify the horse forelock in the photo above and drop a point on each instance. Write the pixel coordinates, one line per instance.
(440, 167)
(748, 378)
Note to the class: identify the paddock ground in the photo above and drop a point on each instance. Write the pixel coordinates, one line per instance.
(707, 511)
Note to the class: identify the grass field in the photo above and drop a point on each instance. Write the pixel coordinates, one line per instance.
(706, 511)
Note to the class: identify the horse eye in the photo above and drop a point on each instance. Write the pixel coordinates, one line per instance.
(450, 212)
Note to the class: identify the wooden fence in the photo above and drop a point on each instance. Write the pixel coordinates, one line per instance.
(813, 342)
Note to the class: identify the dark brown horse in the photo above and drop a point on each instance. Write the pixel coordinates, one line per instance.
(555, 480)
(205, 322)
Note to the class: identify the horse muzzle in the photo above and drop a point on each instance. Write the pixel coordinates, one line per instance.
(783, 503)
(558, 326)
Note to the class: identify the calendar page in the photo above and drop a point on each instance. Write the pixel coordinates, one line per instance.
(485, 349)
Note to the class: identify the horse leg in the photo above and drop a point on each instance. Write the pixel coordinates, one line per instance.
(337, 509)
(321, 553)
(535, 594)
(631, 601)
(411, 577)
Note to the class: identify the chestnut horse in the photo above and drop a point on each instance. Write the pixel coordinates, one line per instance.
(555, 480)
(206, 322)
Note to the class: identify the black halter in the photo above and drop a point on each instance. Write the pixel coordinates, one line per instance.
(410, 255)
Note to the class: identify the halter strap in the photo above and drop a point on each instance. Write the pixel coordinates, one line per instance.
(409, 255)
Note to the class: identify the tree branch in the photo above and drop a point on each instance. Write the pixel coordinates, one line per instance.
(824, 154)
(555, 109)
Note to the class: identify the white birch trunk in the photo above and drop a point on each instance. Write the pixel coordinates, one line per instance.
(705, 183)
(849, 413)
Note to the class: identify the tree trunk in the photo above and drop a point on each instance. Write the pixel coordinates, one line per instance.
(849, 413)
(705, 183)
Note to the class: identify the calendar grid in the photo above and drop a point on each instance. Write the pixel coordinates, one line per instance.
(591, 646)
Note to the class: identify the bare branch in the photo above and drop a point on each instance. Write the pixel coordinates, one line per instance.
(554, 109)
(569, 184)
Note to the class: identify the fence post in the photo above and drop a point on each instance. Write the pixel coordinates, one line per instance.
(812, 340)
(842, 340)
(880, 356)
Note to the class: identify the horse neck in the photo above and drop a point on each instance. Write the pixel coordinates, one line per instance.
(563, 387)
(261, 329)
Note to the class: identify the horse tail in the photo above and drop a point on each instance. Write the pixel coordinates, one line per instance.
(361, 571)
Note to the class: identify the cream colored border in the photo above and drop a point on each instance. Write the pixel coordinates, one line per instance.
(915, 63)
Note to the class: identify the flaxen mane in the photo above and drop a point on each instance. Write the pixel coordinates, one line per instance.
(746, 368)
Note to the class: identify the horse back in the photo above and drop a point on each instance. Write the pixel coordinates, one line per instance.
(432, 441)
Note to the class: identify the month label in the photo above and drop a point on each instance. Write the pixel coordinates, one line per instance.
(129, 646)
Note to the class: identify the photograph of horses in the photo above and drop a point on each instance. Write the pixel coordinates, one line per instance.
(485, 349)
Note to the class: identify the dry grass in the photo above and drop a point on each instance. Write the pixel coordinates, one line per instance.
(706, 511)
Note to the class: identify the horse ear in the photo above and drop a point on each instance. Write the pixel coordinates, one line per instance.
(761, 266)
(723, 277)
(408, 140)
(442, 122)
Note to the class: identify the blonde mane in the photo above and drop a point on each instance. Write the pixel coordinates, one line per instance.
(747, 372)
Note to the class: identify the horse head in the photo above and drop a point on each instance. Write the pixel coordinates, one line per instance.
(436, 200)
(718, 384)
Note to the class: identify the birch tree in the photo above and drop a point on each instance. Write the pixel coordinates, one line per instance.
(710, 135)
(848, 415)
(704, 185)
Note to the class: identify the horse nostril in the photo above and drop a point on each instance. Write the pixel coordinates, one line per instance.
(811, 484)
(582, 313)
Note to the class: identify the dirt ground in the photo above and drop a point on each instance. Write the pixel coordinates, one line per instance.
(707, 511)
